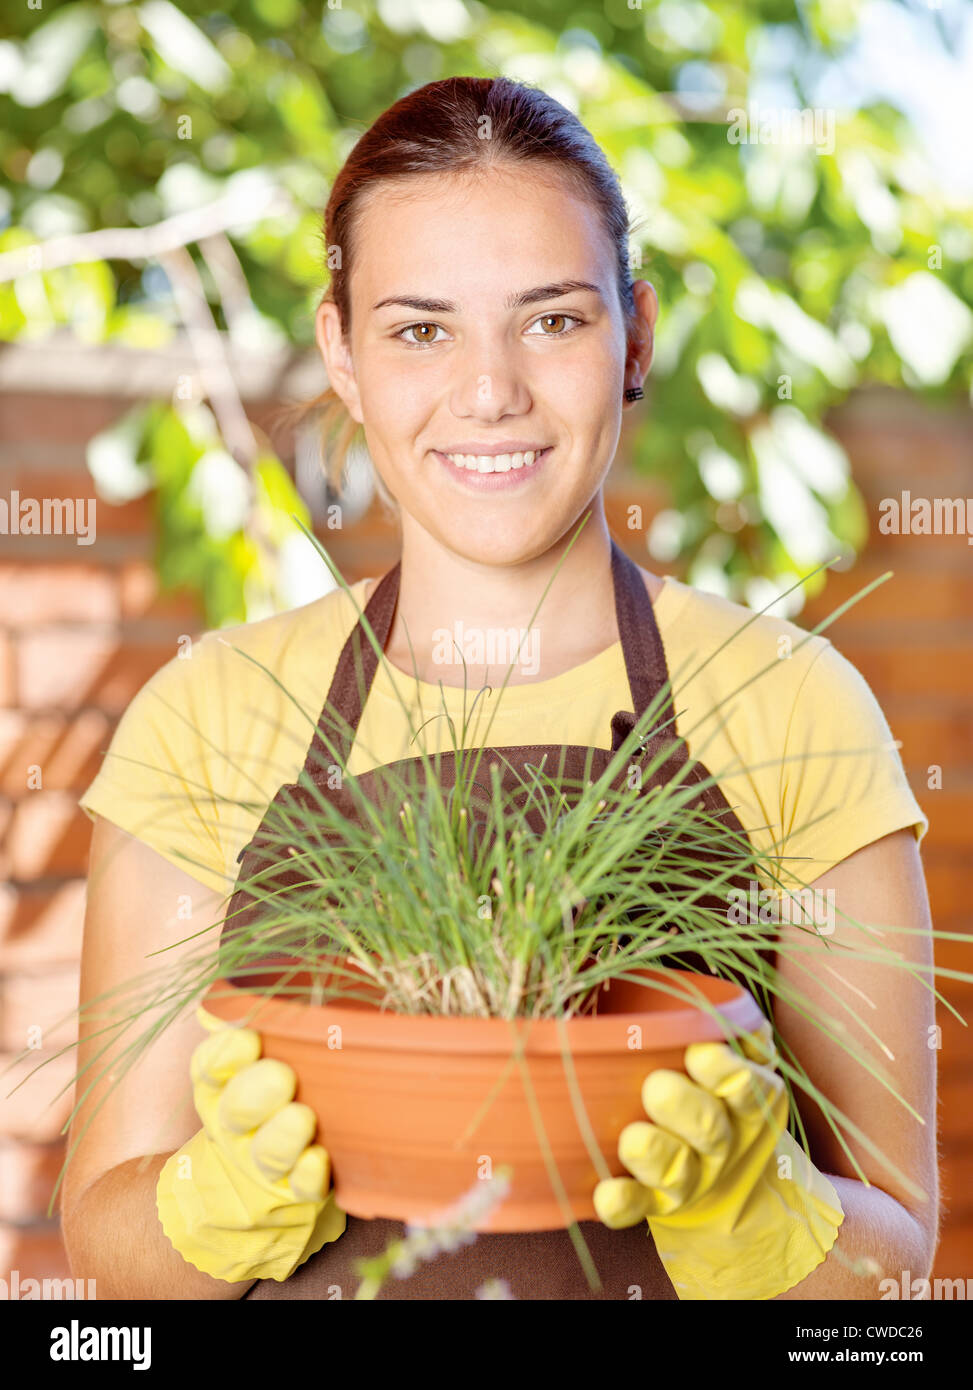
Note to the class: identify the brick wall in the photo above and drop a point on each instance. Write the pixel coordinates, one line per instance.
(912, 640)
(81, 629)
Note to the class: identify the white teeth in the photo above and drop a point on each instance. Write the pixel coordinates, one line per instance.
(495, 463)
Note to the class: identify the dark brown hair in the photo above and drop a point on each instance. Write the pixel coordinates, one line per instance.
(458, 125)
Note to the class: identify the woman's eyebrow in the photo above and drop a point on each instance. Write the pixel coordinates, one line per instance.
(516, 301)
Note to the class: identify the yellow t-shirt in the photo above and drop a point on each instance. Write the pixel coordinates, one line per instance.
(803, 754)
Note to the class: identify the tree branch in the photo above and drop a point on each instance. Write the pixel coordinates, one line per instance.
(231, 282)
(207, 344)
(246, 205)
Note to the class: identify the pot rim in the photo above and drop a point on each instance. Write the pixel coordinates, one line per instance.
(364, 1026)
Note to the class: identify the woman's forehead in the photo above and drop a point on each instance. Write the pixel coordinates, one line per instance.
(483, 234)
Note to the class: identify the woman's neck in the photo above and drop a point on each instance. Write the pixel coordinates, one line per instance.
(451, 610)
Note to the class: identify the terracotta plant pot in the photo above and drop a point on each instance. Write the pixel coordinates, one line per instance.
(401, 1100)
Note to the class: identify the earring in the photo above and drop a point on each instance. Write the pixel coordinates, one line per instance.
(634, 393)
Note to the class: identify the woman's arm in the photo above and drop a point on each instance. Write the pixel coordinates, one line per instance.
(881, 884)
(136, 904)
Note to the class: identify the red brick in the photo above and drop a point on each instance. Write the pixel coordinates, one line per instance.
(957, 1046)
(62, 668)
(949, 892)
(39, 1009)
(28, 1173)
(135, 516)
(912, 594)
(633, 492)
(913, 668)
(930, 552)
(68, 750)
(42, 479)
(941, 737)
(131, 518)
(372, 532)
(42, 453)
(140, 595)
(8, 672)
(885, 432)
(884, 465)
(954, 955)
(49, 835)
(49, 593)
(41, 926)
(61, 417)
(67, 670)
(954, 1256)
(956, 1186)
(945, 463)
(955, 1111)
(964, 1000)
(35, 1110)
(124, 674)
(35, 1253)
(950, 816)
(13, 723)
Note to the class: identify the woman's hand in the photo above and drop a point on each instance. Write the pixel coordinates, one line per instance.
(736, 1209)
(248, 1196)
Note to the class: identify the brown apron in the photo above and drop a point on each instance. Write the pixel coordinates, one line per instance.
(536, 1264)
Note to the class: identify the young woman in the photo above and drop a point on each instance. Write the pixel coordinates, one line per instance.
(483, 329)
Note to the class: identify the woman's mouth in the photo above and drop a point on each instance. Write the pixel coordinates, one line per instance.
(494, 473)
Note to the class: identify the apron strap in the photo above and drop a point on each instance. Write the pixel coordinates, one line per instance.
(353, 678)
(645, 662)
(645, 657)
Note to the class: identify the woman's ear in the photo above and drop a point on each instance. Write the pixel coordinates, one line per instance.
(337, 358)
(642, 343)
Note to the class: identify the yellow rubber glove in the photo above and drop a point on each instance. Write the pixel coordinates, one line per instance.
(247, 1197)
(736, 1209)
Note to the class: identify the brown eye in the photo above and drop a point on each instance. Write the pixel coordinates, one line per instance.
(423, 334)
(555, 325)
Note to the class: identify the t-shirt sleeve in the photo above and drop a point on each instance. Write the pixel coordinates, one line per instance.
(842, 783)
(159, 776)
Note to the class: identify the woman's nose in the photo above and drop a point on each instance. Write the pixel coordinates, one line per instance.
(488, 388)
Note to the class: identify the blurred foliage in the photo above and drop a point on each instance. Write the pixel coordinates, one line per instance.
(787, 272)
(219, 534)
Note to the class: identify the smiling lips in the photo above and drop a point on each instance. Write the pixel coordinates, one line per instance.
(495, 463)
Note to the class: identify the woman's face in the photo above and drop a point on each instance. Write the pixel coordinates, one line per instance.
(485, 318)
